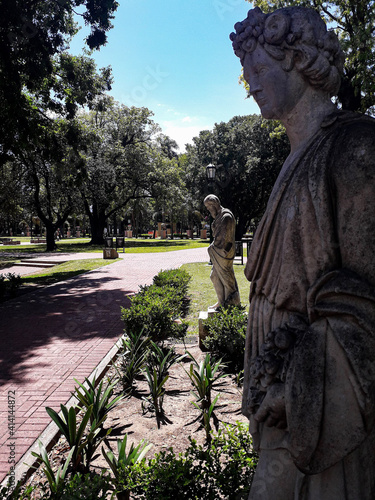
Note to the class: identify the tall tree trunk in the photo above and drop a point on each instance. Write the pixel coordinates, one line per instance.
(50, 236)
(97, 229)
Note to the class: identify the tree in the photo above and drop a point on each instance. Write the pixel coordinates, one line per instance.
(53, 174)
(38, 76)
(124, 162)
(354, 23)
(11, 184)
(249, 158)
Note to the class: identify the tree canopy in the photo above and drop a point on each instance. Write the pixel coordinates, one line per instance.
(249, 158)
(126, 159)
(37, 75)
(354, 23)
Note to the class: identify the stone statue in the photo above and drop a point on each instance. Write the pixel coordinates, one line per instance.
(222, 251)
(309, 388)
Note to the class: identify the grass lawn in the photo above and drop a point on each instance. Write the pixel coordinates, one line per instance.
(10, 255)
(64, 271)
(203, 294)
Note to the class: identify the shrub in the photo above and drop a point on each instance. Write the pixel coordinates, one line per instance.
(122, 466)
(154, 310)
(223, 470)
(9, 284)
(178, 280)
(226, 335)
(89, 486)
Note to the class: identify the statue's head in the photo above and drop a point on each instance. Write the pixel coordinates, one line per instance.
(297, 38)
(213, 205)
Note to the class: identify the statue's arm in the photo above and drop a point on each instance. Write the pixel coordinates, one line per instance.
(223, 236)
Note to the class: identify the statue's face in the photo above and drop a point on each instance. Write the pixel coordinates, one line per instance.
(275, 90)
(213, 208)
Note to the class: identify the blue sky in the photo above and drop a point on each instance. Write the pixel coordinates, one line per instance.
(175, 58)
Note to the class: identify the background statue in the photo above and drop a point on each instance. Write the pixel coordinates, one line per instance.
(222, 251)
(309, 386)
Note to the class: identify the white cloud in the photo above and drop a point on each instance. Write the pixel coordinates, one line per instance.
(182, 134)
(187, 119)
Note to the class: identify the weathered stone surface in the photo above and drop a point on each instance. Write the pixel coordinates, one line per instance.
(222, 251)
(309, 387)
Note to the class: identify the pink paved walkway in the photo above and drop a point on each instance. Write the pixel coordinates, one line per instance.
(61, 332)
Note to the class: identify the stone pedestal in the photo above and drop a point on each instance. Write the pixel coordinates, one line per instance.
(203, 315)
(110, 253)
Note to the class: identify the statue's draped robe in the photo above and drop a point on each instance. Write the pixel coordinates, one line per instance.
(313, 261)
(222, 252)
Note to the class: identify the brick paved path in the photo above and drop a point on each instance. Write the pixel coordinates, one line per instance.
(61, 332)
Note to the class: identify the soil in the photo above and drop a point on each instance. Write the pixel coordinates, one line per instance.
(181, 418)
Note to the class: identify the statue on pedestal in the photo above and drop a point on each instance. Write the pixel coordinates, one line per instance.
(309, 384)
(222, 251)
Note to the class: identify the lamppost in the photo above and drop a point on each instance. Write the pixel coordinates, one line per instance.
(211, 172)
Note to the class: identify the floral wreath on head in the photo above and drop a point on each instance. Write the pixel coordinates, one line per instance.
(296, 36)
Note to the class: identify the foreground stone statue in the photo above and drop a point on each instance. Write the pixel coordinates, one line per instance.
(309, 387)
(222, 251)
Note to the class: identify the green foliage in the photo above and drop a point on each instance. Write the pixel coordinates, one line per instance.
(133, 355)
(223, 470)
(62, 486)
(159, 361)
(123, 162)
(9, 284)
(162, 358)
(354, 23)
(35, 36)
(156, 387)
(83, 444)
(249, 160)
(204, 377)
(18, 492)
(153, 310)
(226, 336)
(56, 480)
(178, 280)
(88, 486)
(125, 459)
(98, 397)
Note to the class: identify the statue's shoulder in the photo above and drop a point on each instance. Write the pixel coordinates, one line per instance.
(226, 213)
(349, 147)
(348, 122)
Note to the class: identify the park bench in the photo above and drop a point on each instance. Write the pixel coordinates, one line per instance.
(38, 240)
(9, 241)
